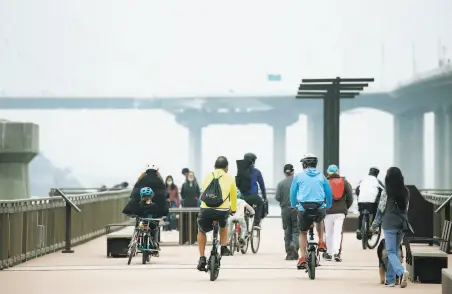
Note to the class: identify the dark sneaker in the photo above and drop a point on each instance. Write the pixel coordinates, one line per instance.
(241, 242)
(327, 257)
(295, 255)
(202, 264)
(358, 235)
(337, 258)
(301, 263)
(225, 251)
(289, 256)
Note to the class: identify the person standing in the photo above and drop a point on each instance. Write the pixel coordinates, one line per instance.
(335, 216)
(288, 215)
(190, 191)
(174, 201)
(392, 213)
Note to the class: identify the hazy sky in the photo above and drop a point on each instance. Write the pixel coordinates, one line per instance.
(146, 48)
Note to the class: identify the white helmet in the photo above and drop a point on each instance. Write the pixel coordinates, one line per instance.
(152, 167)
(309, 160)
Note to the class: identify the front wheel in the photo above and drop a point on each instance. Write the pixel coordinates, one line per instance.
(311, 264)
(214, 268)
(255, 240)
(132, 251)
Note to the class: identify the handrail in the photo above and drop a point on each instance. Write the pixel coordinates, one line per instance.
(448, 200)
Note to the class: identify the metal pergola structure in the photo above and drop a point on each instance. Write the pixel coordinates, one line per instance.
(331, 91)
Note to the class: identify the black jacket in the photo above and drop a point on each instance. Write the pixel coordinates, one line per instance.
(159, 205)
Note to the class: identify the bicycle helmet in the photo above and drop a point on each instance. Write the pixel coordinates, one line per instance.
(152, 167)
(309, 160)
(374, 171)
(250, 157)
(146, 192)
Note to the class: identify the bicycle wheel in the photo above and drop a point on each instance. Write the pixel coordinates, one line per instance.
(244, 248)
(311, 264)
(364, 231)
(255, 240)
(132, 251)
(232, 244)
(372, 242)
(214, 268)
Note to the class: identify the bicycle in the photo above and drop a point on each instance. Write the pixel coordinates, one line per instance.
(366, 235)
(142, 241)
(213, 263)
(233, 242)
(312, 255)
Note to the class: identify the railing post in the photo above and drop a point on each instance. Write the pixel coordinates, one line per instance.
(67, 248)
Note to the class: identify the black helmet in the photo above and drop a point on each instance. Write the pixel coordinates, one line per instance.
(250, 157)
(309, 160)
(374, 171)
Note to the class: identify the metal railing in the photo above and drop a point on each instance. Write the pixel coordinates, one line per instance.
(30, 228)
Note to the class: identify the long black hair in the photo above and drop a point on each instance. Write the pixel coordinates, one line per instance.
(166, 181)
(395, 187)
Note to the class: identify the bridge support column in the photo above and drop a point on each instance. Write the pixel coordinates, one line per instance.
(19, 144)
(448, 149)
(279, 152)
(440, 149)
(195, 148)
(409, 146)
(315, 138)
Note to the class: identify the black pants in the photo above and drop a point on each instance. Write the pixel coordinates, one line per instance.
(290, 226)
(370, 207)
(254, 199)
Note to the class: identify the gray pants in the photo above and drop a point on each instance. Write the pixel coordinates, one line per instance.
(290, 226)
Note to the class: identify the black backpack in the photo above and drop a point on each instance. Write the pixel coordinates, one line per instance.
(212, 195)
(243, 178)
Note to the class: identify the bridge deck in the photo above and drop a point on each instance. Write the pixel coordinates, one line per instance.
(89, 271)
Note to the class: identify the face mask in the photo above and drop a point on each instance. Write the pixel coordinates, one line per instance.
(169, 183)
(191, 179)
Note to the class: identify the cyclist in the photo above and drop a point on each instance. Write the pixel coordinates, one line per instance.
(249, 183)
(310, 190)
(148, 209)
(240, 217)
(368, 192)
(207, 215)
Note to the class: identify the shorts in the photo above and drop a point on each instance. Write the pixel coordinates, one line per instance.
(306, 220)
(207, 216)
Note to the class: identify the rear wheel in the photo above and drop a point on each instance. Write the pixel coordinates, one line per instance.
(255, 240)
(244, 248)
(372, 242)
(214, 268)
(311, 264)
(232, 244)
(364, 233)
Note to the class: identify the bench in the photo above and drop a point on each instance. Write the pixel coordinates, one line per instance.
(425, 263)
(447, 281)
(118, 239)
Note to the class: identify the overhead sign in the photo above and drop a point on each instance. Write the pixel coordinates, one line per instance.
(274, 77)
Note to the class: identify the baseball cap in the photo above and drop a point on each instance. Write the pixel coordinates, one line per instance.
(288, 168)
(333, 169)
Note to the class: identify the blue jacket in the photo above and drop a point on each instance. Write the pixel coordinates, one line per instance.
(310, 186)
(257, 179)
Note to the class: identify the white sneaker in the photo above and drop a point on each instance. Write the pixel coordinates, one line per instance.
(390, 285)
(404, 279)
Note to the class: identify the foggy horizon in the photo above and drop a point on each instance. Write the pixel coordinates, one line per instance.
(54, 48)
